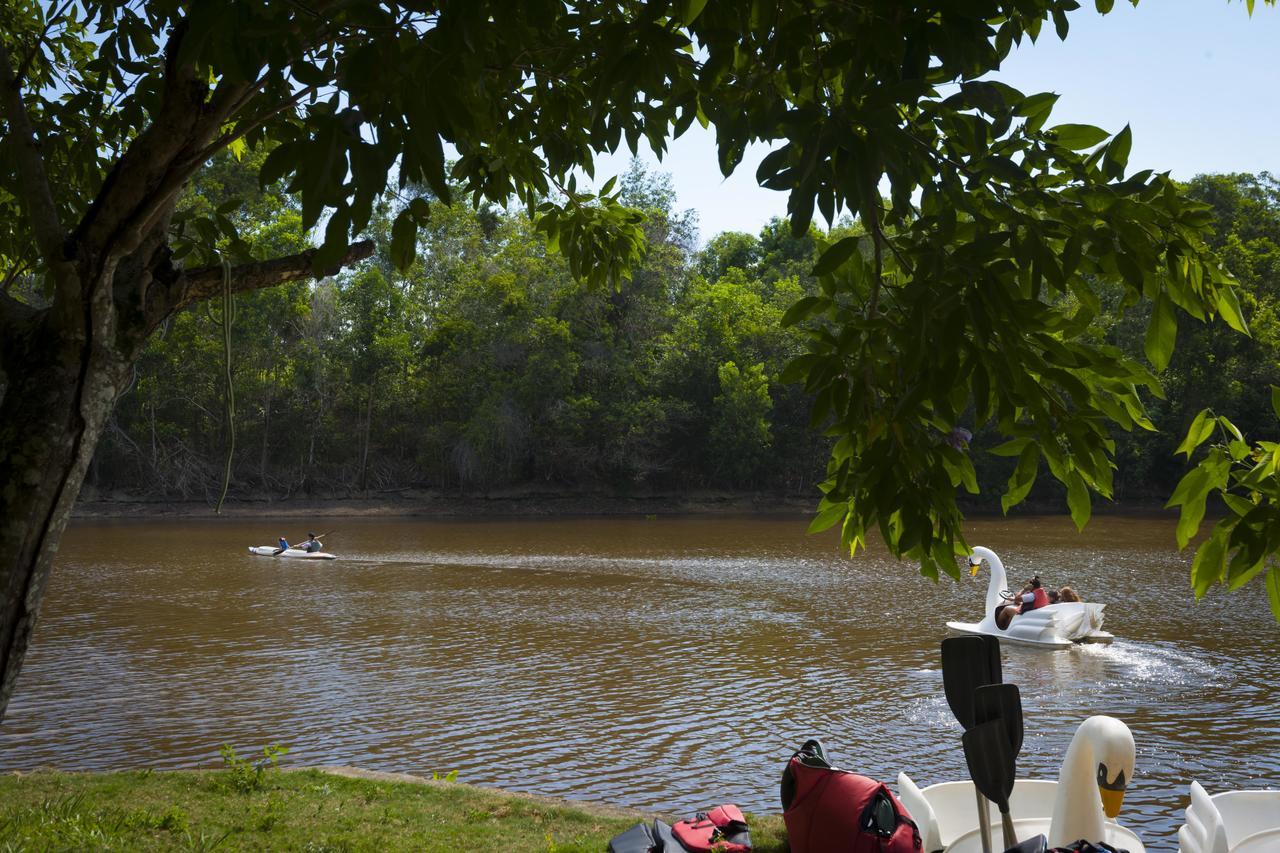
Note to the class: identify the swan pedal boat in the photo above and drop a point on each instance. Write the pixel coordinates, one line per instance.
(1076, 806)
(296, 553)
(1231, 822)
(1056, 626)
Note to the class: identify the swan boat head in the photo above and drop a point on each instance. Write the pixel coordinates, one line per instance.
(1099, 764)
(998, 582)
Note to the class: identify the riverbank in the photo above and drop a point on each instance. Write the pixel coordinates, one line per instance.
(317, 809)
(430, 504)
(525, 503)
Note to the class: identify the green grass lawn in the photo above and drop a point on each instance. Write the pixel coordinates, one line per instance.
(307, 810)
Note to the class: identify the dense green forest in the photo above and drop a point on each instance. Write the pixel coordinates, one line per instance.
(486, 366)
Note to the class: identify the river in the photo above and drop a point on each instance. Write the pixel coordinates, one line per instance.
(668, 663)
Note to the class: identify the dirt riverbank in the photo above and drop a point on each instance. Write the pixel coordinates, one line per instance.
(443, 505)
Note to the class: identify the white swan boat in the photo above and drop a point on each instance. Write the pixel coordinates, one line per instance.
(1231, 822)
(295, 553)
(1081, 804)
(1057, 626)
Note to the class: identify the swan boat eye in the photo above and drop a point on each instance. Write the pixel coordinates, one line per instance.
(1117, 785)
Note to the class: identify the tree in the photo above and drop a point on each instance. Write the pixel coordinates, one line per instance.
(123, 103)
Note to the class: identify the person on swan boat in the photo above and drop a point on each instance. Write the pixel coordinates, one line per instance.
(1032, 596)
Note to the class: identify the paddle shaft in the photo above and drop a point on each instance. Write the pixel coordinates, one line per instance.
(984, 828)
(969, 663)
(1006, 821)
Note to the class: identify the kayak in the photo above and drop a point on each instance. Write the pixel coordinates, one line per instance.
(269, 551)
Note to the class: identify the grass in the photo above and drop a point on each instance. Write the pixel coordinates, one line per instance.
(305, 810)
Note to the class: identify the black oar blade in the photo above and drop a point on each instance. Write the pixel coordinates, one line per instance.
(991, 761)
(1000, 702)
(966, 666)
(992, 645)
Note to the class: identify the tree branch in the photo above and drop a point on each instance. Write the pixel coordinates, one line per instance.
(32, 178)
(25, 66)
(206, 282)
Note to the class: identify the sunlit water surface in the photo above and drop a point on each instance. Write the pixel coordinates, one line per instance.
(669, 664)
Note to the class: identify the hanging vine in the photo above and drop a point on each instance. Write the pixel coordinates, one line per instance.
(229, 393)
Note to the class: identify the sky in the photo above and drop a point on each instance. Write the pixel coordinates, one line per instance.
(1198, 80)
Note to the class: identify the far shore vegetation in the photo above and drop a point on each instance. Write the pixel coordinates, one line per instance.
(243, 808)
(484, 368)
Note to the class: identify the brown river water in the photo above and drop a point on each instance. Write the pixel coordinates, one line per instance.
(668, 664)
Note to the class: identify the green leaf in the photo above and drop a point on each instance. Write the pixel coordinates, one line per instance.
(805, 307)
(1193, 490)
(1012, 447)
(1078, 500)
(1023, 477)
(309, 75)
(1078, 136)
(1103, 6)
(836, 255)
(404, 240)
(1117, 156)
(1201, 428)
(828, 517)
(1210, 562)
(1239, 506)
(1162, 332)
(1229, 308)
(689, 10)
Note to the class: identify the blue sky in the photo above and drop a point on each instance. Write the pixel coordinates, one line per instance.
(1198, 80)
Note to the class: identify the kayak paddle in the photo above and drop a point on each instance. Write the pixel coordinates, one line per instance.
(1001, 703)
(1004, 702)
(967, 664)
(991, 762)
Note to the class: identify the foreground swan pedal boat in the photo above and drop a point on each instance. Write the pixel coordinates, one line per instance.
(295, 553)
(1098, 764)
(1057, 626)
(1231, 822)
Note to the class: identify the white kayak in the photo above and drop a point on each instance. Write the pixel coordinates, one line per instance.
(269, 551)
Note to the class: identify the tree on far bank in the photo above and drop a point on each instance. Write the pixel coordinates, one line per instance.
(110, 108)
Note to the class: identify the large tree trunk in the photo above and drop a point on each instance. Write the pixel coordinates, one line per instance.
(51, 417)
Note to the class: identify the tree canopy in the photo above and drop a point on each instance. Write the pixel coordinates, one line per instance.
(967, 299)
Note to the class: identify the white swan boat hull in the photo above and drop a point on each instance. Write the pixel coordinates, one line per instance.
(1058, 626)
(1231, 822)
(1055, 626)
(1024, 828)
(294, 553)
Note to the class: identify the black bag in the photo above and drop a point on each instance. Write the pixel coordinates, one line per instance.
(646, 838)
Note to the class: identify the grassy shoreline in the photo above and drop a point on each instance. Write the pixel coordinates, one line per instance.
(314, 810)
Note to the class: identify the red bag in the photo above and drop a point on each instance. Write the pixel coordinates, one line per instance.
(723, 830)
(833, 811)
